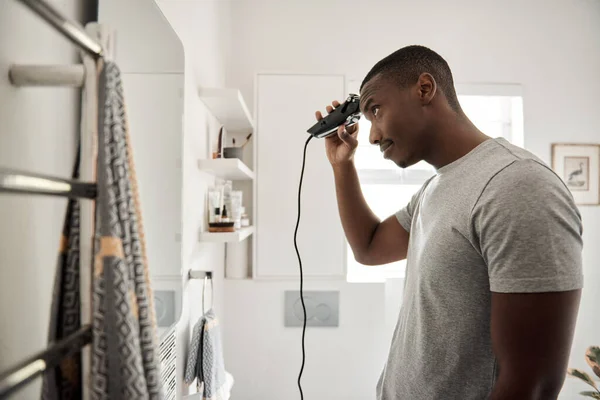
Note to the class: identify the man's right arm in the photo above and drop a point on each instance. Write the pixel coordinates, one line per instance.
(373, 242)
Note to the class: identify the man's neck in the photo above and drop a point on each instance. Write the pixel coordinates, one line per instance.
(454, 138)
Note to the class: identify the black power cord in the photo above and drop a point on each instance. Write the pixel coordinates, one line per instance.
(301, 272)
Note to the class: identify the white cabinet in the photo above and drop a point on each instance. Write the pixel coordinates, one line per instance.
(155, 124)
(285, 109)
(153, 81)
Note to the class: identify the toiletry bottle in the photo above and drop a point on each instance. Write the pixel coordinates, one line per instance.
(227, 188)
(245, 221)
(235, 210)
(214, 201)
(224, 217)
(217, 214)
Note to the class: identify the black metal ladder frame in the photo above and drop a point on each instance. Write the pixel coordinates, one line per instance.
(21, 182)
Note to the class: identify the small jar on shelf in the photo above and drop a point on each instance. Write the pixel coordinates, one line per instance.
(244, 220)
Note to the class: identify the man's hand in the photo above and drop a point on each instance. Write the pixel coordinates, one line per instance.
(340, 148)
(531, 337)
(373, 242)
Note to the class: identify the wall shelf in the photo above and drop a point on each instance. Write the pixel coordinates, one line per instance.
(229, 107)
(227, 237)
(226, 168)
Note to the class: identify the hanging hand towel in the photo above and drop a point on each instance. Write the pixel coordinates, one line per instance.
(125, 354)
(205, 360)
(191, 367)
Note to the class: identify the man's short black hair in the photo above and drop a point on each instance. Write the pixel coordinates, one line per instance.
(406, 65)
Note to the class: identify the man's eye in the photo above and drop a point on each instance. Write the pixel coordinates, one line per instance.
(374, 110)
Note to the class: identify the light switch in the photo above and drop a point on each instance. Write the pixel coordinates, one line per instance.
(322, 308)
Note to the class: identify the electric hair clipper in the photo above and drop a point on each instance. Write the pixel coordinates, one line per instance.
(345, 114)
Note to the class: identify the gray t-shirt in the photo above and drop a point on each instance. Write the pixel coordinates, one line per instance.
(496, 220)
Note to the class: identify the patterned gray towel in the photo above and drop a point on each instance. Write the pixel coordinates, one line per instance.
(65, 381)
(205, 360)
(191, 368)
(125, 362)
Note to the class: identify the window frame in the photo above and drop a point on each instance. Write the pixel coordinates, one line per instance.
(418, 176)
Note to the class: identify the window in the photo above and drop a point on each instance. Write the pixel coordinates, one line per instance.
(497, 110)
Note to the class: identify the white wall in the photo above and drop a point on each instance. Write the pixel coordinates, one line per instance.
(38, 132)
(203, 28)
(549, 47)
(341, 363)
(198, 25)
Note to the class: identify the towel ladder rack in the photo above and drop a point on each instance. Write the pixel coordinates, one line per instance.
(47, 75)
(70, 29)
(21, 374)
(13, 181)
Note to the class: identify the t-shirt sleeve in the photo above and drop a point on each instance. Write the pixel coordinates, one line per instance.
(529, 231)
(405, 214)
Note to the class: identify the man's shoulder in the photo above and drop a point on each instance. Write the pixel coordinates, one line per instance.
(520, 171)
(526, 185)
(526, 175)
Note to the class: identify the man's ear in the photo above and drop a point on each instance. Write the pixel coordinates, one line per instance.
(427, 87)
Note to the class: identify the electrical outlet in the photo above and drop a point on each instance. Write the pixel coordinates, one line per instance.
(322, 308)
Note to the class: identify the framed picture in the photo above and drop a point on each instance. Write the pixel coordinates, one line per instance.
(579, 167)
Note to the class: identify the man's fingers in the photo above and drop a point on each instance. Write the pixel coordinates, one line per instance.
(346, 137)
(352, 129)
(329, 109)
(334, 138)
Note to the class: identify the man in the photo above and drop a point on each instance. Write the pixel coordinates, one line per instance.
(492, 241)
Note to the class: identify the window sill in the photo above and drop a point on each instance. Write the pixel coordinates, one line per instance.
(367, 274)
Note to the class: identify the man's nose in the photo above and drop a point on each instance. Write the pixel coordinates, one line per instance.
(374, 136)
